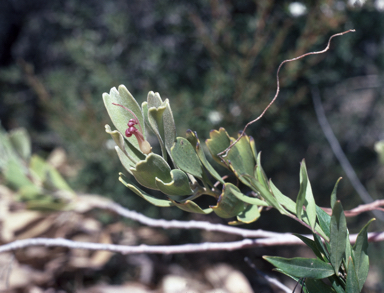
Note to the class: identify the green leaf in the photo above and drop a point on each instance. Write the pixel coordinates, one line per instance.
(321, 247)
(120, 116)
(312, 245)
(305, 197)
(21, 142)
(228, 205)
(194, 140)
(156, 109)
(352, 282)
(302, 267)
(186, 158)
(151, 199)
(248, 199)
(127, 163)
(178, 186)
(218, 142)
(250, 214)
(191, 207)
(240, 158)
(253, 147)
(334, 191)
(360, 250)
(317, 286)
(169, 127)
(338, 232)
(154, 166)
(284, 200)
(259, 172)
(324, 220)
(265, 193)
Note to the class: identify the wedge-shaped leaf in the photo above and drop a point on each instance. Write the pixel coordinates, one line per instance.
(151, 199)
(116, 136)
(185, 157)
(305, 198)
(361, 255)
(228, 205)
(169, 127)
(195, 142)
(154, 166)
(156, 109)
(15, 174)
(352, 282)
(302, 267)
(21, 142)
(178, 186)
(120, 116)
(219, 140)
(284, 200)
(190, 206)
(240, 158)
(124, 160)
(338, 230)
(259, 172)
(312, 245)
(334, 192)
(250, 214)
(317, 286)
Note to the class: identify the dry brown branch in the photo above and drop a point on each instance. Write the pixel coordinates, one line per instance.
(225, 152)
(375, 205)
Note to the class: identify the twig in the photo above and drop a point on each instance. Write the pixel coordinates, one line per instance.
(376, 205)
(174, 224)
(225, 152)
(283, 239)
(269, 279)
(102, 203)
(338, 151)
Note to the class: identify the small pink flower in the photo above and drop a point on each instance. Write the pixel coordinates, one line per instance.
(144, 145)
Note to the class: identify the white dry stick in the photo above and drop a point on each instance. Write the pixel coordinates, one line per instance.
(282, 240)
(175, 224)
(102, 203)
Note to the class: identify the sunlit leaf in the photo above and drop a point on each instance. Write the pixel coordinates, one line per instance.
(302, 267)
(185, 157)
(151, 199)
(228, 205)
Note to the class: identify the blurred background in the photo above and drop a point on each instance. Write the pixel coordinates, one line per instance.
(216, 62)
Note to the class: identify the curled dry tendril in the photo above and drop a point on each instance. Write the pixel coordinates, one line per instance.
(224, 153)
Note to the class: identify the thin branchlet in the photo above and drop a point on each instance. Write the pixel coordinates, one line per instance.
(225, 152)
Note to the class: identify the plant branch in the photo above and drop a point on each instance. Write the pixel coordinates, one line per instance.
(338, 151)
(282, 239)
(376, 205)
(102, 203)
(225, 152)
